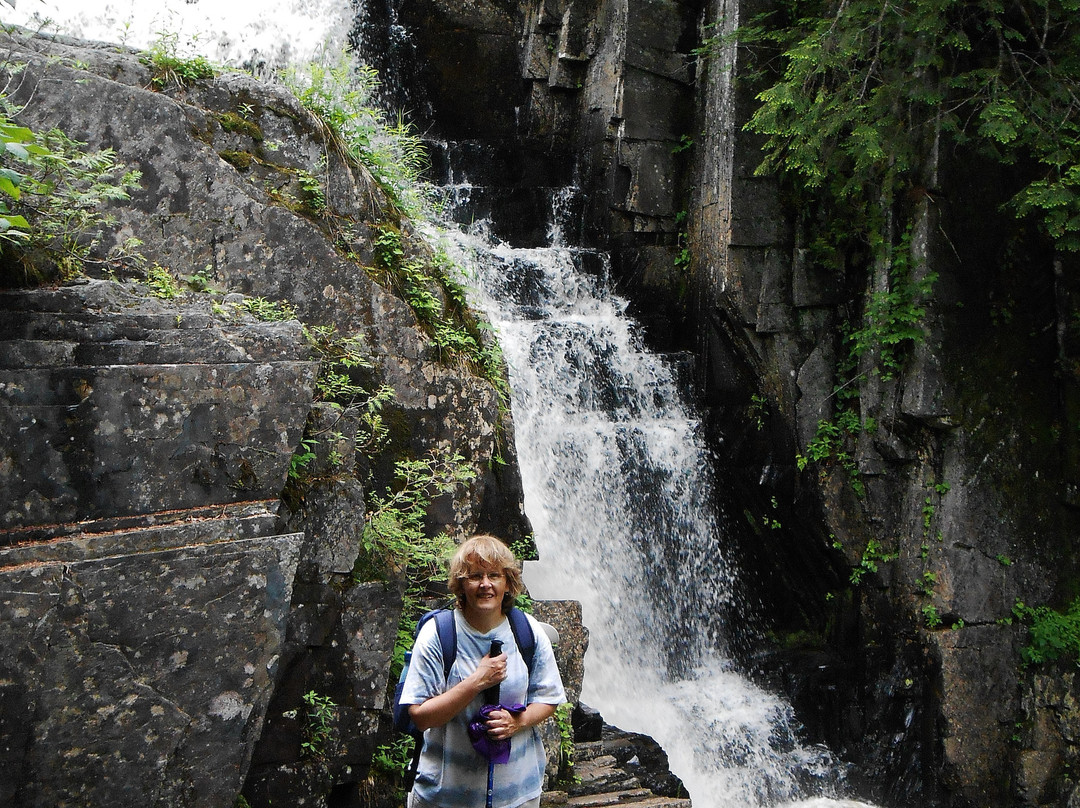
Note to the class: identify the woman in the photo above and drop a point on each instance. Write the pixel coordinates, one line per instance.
(485, 578)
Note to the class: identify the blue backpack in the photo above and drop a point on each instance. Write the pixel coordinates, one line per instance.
(447, 631)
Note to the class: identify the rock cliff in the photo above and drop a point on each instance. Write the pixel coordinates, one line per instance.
(966, 494)
(174, 631)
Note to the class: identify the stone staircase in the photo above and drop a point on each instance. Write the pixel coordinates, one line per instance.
(610, 772)
(144, 580)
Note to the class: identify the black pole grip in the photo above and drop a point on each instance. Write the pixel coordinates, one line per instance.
(491, 695)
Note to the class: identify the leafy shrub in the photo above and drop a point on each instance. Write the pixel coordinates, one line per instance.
(1052, 634)
(342, 97)
(56, 193)
(318, 724)
(394, 535)
(170, 69)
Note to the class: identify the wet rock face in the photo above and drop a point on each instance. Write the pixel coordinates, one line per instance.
(567, 118)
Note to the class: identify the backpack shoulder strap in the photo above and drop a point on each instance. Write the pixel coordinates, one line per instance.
(447, 630)
(523, 635)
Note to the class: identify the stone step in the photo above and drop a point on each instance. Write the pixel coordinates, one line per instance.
(197, 527)
(85, 443)
(66, 345)
(639, 798)
(588, 750)
(142, 385)
(242, 511)
(601, 774)
(610, 797)
(103, 323)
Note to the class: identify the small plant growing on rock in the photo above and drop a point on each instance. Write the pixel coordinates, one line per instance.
(341, 96)
(318, 724)
(872, 556)
(393, 757)
(169, 69)
(1052, 634)
(394, 532)
(566, 742)
(161, 283)
(829, 446)
(54, 194)
(269, 311)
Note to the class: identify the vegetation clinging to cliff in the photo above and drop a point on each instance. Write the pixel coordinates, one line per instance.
(342, 96)
(860, 98)
(867, 88)
(56, 192)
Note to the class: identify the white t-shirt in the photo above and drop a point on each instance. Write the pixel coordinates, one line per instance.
(451, 773)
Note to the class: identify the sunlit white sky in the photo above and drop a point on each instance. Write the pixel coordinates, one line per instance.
(224, 31)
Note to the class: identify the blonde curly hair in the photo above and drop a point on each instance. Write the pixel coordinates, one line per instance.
(480, 553)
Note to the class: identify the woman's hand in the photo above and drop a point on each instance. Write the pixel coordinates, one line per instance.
(438, 710)
(491, 671)
(502, 724)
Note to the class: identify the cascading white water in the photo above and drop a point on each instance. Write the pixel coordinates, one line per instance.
(619, 492)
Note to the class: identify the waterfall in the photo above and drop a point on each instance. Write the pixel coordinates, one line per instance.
(619, 492)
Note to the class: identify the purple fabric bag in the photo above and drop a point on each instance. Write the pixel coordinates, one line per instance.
(495, 751)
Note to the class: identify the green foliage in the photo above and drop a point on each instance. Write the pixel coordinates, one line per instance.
(171, 69)
(312, 188)
(53, 198)
(16, 143)
(394, 757)
(340, 357)
(829, 446)
(302, 459)
(892, 319)
(161, 283)
(342, 97)
(926, 587)
(1052, 634)
(865, 86)
(439, 301)
(524, 549)
(269, 311)
(757, 411)
(872, 556)
(566, 740)
(685, 144)
(394, 535)
(318, 725)
(931, 617)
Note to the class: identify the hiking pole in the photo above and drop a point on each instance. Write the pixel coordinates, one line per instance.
(491, 696)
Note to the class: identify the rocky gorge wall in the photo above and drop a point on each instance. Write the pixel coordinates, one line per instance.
(521, 98)
(181, 553)
(912, 669)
